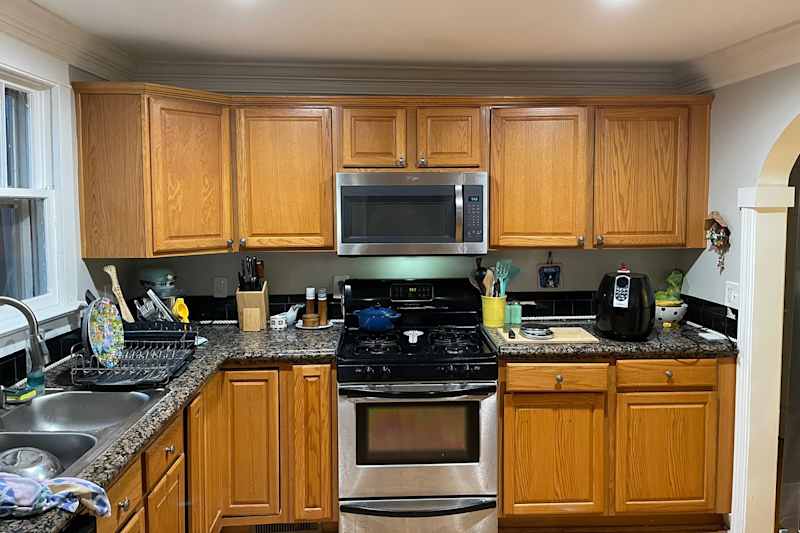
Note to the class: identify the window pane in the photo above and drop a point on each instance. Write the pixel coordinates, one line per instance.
(17, 145)
(23, 269)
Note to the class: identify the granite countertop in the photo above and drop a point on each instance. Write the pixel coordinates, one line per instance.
(228, 344)
(687, 341)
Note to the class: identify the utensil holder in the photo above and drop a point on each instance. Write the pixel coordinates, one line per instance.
(252, 306)
(494, 311)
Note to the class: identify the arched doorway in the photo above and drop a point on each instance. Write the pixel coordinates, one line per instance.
(761, 316)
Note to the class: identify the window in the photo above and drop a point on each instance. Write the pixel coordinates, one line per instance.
(26, 192)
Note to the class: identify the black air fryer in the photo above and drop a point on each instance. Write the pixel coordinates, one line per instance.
(626, 306)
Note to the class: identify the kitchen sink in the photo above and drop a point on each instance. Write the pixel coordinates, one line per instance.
(78, 411)
(67, 447)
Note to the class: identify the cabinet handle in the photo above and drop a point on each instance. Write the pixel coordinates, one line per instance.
(402, 161)
(242, 241)
(170, 449)
(230, 243)
(124, 505)
(422, 161)
(668, 373)
(559, 379)
(599, 240)
(581, 240)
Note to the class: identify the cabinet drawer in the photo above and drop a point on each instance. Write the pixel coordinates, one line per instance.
(667, 373)
(567, 377)
(125, 496)
(163, 452)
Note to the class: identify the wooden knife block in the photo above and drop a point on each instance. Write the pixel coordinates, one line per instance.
(253, 309)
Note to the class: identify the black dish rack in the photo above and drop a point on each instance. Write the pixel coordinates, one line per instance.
(154, 352)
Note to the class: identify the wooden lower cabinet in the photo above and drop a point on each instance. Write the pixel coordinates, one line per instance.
(554, 453)
(136, 524)
(166, 504)
(666, 452)
(253, 443)
(311, 450)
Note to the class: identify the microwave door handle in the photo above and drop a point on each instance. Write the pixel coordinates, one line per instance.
(356, 392)
(459, 213)
(424, 509)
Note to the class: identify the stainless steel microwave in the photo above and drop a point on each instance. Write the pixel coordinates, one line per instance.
(405, 213)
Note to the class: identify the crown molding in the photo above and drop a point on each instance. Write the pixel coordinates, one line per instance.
(363, 79)
(39, 27)
(764, 53)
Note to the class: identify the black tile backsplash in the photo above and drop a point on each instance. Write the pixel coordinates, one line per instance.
(711, 315)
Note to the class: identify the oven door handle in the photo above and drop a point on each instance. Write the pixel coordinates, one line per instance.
(355, 392)
(408, 510)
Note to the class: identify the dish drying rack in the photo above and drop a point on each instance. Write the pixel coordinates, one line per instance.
(151, 356)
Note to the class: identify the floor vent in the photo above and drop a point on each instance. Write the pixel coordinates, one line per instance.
(286, 528)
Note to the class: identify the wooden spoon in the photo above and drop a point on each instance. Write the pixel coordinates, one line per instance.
(111, 270)
(488, 283)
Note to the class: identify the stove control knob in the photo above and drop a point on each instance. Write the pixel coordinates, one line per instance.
(386, 371)
(358, 371)
(475, 369)
(450, 370)
(369, 372)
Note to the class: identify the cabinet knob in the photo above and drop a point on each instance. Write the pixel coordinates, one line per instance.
(402, 161)
(124, 505)
(581, 240)
(230, 243)
(668, 373)
(422, 161)
(242, 241)
(599, 240)
(559, 379)
(170, 449)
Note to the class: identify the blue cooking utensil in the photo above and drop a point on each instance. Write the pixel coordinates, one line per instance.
(376, 319)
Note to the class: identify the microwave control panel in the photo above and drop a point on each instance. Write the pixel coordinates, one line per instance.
(473, 213)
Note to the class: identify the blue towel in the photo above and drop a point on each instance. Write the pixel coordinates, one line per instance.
(21, 497)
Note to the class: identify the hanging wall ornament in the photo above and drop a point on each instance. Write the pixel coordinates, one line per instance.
(718, 236)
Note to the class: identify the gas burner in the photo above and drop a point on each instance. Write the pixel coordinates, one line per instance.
(374, 348)
(464, 348)
(448, 336)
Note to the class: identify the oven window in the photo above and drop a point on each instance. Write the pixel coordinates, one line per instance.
(398, 214)
(417, 433)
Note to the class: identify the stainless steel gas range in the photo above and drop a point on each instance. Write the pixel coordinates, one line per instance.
(417, 411)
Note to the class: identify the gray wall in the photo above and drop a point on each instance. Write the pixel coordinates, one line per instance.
(746, 120)
(291, 272)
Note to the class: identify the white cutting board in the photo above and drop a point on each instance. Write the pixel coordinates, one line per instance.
(561, 335)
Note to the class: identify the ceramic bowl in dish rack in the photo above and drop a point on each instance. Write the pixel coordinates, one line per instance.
(671, 314)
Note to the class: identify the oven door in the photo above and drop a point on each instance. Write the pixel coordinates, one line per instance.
(423, 440)
(404, 214)
(424, 515)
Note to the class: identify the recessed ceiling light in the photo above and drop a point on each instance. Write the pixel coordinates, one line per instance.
(615, 3)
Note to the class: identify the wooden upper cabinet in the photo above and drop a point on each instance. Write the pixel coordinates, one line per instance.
(312, 466)
(253, 443)
(191, 176)
(449, 137)
(285, 177)
(666, 452)
(374, 137)
(540, 183)
(554, 453)
(641, 158)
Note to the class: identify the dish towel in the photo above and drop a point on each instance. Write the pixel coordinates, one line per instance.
(21, 496)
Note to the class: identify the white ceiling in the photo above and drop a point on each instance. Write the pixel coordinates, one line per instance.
(466, 32)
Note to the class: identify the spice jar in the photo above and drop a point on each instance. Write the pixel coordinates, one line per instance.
(311, 298)
(322, 306)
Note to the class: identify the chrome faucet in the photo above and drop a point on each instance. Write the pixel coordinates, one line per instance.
(40, 356)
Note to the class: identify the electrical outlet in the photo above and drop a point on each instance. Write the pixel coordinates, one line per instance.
(337, 293)
(732, 294)
(220, 287)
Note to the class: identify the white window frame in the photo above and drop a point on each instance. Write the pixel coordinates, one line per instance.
(53, 178)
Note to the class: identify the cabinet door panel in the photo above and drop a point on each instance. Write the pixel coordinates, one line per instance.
(166, 510)
(539, 177)
(190, 173)
(554, 453)
(640, 176)
(312, 442)
(374, 137)
(253, 443)
(285, 188)
(135, 524)
(666, 452)
(448, 136)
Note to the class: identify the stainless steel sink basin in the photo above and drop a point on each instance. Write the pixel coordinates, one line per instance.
(78, 411)
(67, 447)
